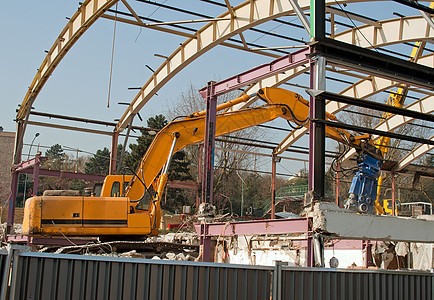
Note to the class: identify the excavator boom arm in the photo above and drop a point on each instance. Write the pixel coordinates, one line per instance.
(192, 131)
(280, 103)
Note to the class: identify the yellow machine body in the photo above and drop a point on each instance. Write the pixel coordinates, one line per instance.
(83, 216)
(107, 214)
(122, 208)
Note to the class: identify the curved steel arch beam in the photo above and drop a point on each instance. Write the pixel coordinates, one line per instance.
(416, 153)
(424, 105)
(362, 89)
(371, 83)
(408, 29)
(242, 17)
(88, 12)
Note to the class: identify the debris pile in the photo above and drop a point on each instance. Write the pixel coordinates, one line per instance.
(173, 246)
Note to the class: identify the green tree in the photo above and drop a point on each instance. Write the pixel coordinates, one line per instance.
(133, 158)
(58, 160)
(55, 152)
(179, 168)
(99, 163)
(55, 157)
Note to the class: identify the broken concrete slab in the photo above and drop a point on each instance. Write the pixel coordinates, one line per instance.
(333, 221)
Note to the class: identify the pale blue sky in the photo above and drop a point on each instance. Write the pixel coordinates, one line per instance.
(79, 85)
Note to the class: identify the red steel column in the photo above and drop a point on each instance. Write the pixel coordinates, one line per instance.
(199, 174)
(393, 195)
(113, 153)
(12, 199)
(273, 187)
(208, 166)
(309, 257)
(36, 174)
(209, 144)
(337, 182)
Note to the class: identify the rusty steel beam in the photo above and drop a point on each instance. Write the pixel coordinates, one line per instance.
(276, 226)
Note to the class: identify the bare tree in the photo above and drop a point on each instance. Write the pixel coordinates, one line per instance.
(233, 156)
(395, 151)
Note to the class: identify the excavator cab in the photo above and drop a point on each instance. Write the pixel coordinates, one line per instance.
(387, 206)
(115, 185)
(388, 203)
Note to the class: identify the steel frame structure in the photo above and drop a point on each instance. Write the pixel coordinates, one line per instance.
(212, 34)
(344, 51)
(321, 52)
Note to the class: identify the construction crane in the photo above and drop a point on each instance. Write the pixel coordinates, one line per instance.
(129, 205)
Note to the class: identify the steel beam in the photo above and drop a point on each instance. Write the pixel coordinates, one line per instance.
(317, 132)
(113, 153)
(88, 12)
(393, 194)
(36, 172)
(353, 16)
(73, 128)
(273, 187)
(276, 226)
(282, 64)
(12, 201)
(374, 63)
(317, 19)
(84, 120)
(374, 131)
(63, 174)
(373, 105)
(199, 174)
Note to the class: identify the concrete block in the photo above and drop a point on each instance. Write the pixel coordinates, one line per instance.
(336, 222)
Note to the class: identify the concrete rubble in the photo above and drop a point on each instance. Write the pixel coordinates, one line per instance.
(173, 246)
(343, 232)
(333, 221)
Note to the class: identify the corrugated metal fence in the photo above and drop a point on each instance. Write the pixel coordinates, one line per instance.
(308, 283)
(30, 275)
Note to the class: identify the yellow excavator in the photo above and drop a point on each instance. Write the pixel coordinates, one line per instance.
(129, 205)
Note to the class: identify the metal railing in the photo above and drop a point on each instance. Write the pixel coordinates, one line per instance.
(286, 192)
(292, 191)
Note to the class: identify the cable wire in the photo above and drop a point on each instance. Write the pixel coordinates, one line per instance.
(112, 57)
(355, 26)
